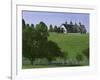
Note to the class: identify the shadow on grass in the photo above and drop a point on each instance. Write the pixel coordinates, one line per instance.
(50, 66)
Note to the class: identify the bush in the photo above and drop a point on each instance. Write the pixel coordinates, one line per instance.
(86, 52)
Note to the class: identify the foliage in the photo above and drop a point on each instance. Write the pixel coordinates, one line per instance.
(23, 23)
(53, 51)
(55, 28)
(35, 43)
(33, 39)
(70, 28)
(86, 52)
(51, 28)
(29, 44)
(79, 57)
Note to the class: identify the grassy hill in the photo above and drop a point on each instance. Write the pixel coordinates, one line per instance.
(73, 43)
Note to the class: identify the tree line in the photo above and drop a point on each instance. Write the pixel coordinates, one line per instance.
(69, 28)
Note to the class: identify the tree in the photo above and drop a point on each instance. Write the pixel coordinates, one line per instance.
(55, 28)
(51, 28)
(42, 31)
(80, 23)
(27, 25)
(32, 25)
(79, 58)
(75, 28)
(86, 52)
(23, 23)
(28, 47)
(33, 40)
(82, 29)
(71, 23)
(66, 23)
(52, 51)
(35, 43)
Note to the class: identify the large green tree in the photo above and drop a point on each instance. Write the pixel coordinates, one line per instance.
(35, 43)
(29, 44)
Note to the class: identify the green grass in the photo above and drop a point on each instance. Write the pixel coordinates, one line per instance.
(73, 43)
(29, 66)
(36, 66)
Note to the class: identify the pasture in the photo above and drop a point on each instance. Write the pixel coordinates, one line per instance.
(71, 43)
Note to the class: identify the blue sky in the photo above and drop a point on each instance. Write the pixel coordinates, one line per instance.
(55, 18)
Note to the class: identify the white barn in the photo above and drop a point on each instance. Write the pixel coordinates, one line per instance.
(65, 30)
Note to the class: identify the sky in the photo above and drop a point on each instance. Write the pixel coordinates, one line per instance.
(55, 18)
